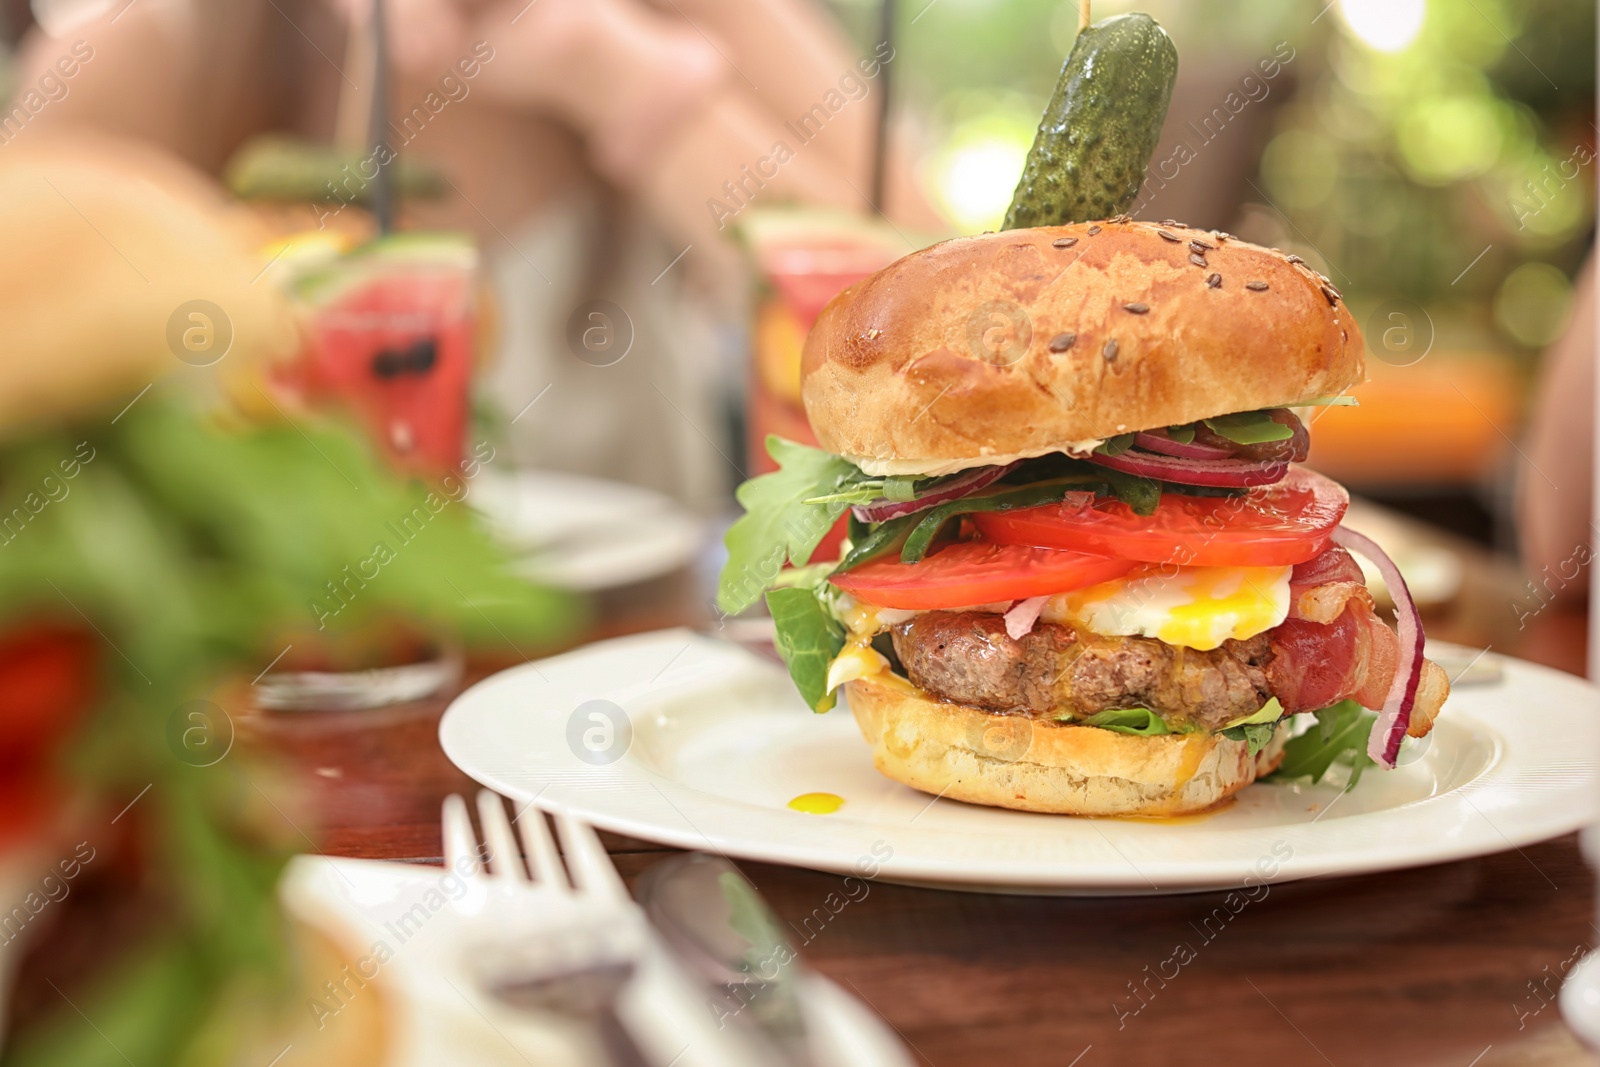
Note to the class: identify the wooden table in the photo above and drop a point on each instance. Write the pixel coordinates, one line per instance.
(1454, 965)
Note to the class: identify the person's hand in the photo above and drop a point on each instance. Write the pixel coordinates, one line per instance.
(623, 75)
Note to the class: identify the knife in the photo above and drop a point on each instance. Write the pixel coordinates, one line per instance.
(718, 926)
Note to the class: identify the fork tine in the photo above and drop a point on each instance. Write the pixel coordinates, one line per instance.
(592, 869)
(460, 844)
(505, 859)
(543, 859)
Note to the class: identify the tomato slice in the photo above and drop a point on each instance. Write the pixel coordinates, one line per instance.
(1273, 525)
(977, 572)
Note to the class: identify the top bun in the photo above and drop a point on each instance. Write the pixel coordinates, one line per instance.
(983, 349)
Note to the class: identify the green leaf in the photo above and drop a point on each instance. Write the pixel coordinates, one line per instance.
(1340, 736)
(778, 526)
(1182, 434)
(1117, 445)
(1271, 711)
(900, 488)
(1249, 428)
(1029, 496)
(864, 493)
(879, 540)
(1142, 495)
(808, 638)
(1140, 721)
(1256, 734)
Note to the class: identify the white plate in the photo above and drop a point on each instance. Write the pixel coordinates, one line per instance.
(720, 743)
(585, 534)
(404, 913)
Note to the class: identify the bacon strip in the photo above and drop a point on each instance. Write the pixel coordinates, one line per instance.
(1316, 664)
(1321, 588)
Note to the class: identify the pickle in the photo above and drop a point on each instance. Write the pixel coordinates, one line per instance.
(1100, 127)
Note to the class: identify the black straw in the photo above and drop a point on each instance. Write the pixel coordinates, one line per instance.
(880, 143)
(383, 182)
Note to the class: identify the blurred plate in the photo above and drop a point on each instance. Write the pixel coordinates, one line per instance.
(585, 534)
(412, 937)
(1431, 570)
(708, 744)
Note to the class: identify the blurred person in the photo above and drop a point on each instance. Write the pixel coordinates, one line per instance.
(1555, 505)
(587, 144)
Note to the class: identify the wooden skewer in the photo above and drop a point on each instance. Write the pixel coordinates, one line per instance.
(1083, 15)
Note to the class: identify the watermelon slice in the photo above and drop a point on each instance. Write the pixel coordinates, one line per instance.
(393, 328)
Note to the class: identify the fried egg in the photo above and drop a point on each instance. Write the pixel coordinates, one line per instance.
(1196, 607)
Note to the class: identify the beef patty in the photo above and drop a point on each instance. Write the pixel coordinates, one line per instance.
(968, 658)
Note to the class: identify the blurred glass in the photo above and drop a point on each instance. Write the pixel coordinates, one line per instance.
(393, 340)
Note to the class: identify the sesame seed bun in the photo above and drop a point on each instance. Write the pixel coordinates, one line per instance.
(1024, 342)
(1007, 761)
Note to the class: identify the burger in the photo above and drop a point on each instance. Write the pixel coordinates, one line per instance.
(1086, 571)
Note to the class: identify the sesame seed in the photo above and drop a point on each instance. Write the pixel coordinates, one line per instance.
(1062, 341)
(1064, 242)
(1257, 287)
(1136, 307)
(1223, 235)
(1174, 238)
(1331, 293)
(1197, 259)
(1200, 246)
(1296, 259)
(1171, 222)
(1110, 351)
(1214, 281)
(1093, 230)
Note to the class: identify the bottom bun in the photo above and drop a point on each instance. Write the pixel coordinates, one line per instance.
(1008, 761)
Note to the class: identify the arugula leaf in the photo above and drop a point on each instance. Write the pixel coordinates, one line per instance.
(1257, 734)
(1271, 711)
(1028, 496)
(1142, 495)
(1117, 445)
(1182, 434)
(900, 487)
(883, 538)
(1140, 721)
(1340, 736)
(864, 493)
(778, 526)
(808, 638)
(1249, 428)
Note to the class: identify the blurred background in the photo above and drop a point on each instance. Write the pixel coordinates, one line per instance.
(340, 368)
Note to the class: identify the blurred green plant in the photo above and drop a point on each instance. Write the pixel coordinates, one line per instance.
(1419, 133)
(1438, 149)
(188, 549)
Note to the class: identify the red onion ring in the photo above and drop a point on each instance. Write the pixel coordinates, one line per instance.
(1234, 473)
(1021, 616)
(1166, 446)
(883, 509)
(1390, 729)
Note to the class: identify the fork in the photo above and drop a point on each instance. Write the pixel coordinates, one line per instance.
(577, 970)
(598, 963)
